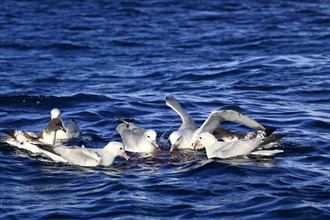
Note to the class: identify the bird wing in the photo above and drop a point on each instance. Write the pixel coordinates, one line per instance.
(125, 125)
(237, 148)
(32, 135)
(72, 128)
(138, 130)
(46, 147)
(121, 119)
(22, 136)
(78, 156)
(121, 128)
(217, 117)
(187, 121)
(131, 138)
(90, 153)
(124, 128)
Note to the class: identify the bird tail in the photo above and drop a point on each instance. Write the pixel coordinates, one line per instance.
(271, 138)
(269, 131)
(12, 136)
(10, 133)
(6, 138)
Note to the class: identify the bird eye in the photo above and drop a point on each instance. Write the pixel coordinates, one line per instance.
(121, 148)
(148, 136)
(200, 138)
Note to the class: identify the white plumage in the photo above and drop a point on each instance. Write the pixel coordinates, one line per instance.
(220, 149)
(137, 139)
(188, 132)
(88, 157)
(72, 127)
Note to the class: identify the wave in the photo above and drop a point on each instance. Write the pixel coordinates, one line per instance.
(65, 46)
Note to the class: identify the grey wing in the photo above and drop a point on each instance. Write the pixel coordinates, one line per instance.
(46, 147)
(32, 135)
(187, 121)
(130, 139)
(22, 136)
(72, 128)
(121, 128)
(90, 153)
(138, 130)
(77, 155)
(216, 117)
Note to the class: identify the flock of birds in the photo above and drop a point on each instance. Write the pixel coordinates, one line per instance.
(217, 141)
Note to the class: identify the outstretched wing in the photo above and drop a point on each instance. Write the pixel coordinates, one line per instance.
(216, 117)
(72, 128)
(187, 121)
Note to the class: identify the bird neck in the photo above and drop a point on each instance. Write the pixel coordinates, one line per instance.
(107, 157)
(210, 149)
(187, 139)
(146, 145)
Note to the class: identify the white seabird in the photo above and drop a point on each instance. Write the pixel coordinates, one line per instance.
(88, 157)
(30, 141)
(72, 127)
(220, 149)
(188, 132)
(137, 139)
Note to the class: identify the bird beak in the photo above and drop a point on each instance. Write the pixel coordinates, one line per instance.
(124, 155)
(154, 144)
(63, 129)
(172, 148)
(196, 145)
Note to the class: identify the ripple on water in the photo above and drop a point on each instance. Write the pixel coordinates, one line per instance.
(119, 58)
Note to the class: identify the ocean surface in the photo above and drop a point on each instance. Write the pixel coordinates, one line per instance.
(98, 59)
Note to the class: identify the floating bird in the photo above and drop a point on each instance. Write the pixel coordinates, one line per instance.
(88, 157)
(72, 127)
(220, 149)
(137, 139)
(47, 135)
(188, 132)
(30, 141)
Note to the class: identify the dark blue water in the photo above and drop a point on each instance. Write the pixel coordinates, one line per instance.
(98, 59)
